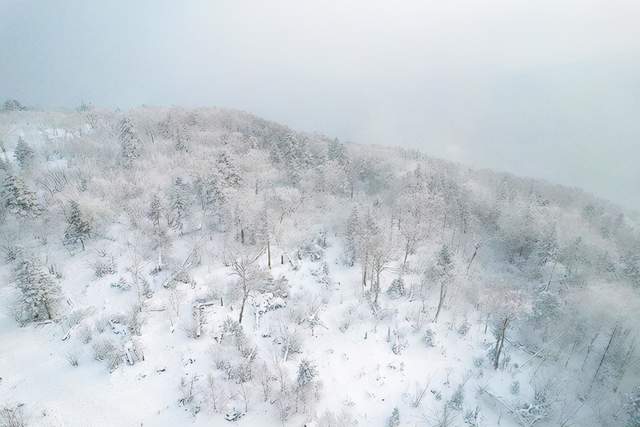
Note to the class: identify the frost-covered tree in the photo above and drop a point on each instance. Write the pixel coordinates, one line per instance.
(78, 227)
(336, 151)
(18, 199)
(264, 226)
(396, 289)
(40, 291)
(13, 105)
(23, 153)
(179, 204)
(443, 273)
(632, 408)
(290, 151)
(369, 243)
(306, 381)
(210, 194)
(381, 255)
(413, 215)
(307, 373)
(505, 305)
(129, 141)
(630, 261)
(181, 139)
(226, 169)
(243, 262)
(394, 419)
(155, 211)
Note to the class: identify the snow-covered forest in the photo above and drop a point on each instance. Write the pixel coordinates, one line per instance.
(164, 267)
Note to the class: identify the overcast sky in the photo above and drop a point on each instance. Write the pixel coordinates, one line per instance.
(542, 88)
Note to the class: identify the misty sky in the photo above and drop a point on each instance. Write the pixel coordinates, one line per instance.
(543, 88)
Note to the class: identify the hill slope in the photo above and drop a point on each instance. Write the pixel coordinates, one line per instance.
(169, 266)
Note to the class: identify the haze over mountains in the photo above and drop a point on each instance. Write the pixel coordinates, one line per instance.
(540, 89)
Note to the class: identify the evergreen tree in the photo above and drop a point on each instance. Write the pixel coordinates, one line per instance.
(18, 199)
(4, 162)
(291, 152)
(633, 408)
(40, 290)
(78, 229)
(23, 153)
(228, 171)
(129, 141)
(182, 139)
(443, 274)
(307, 373)
(155, 210)
(394, 420)
(179, 203)
(397, 289)
(209, 194)
(13, 105)
(631, 266)
(336, 151)
(351, 238)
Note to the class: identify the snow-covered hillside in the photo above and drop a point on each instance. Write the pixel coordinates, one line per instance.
(164, 267)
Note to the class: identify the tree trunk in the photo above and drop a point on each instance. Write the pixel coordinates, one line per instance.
(604, 355)
(245, 295)
(364, 273)
(475, 252)
(546, 288)
(269, 254)
(589, 348)
(443, 292)
(377, 288)
(47, 309)
(500, 343)
(407, 248)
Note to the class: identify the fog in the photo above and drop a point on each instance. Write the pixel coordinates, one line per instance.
(548, 89)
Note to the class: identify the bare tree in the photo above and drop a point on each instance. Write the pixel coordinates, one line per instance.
(506, 305)
(243, 263)
(381, 255)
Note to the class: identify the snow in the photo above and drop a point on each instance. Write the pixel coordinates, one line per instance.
(357, 373)
(145, 346)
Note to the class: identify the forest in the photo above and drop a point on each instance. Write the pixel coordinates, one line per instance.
(171, 266)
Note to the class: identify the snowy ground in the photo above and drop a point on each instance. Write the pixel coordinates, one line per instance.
(358, 370)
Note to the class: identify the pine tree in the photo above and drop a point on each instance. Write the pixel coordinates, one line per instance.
(182, 139)
(129, 141)
(351, 237)
(155, 209)
(78, 229)
(307, 373)
(179, 203)
(228, 171)
(444, 274)
(18, 199)
(40, 291)
(23, 153)
(632, 407)
(13, 105)
(630, 261)
(209, 194)
(336, 151)
(291, 152)
(394, 420)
